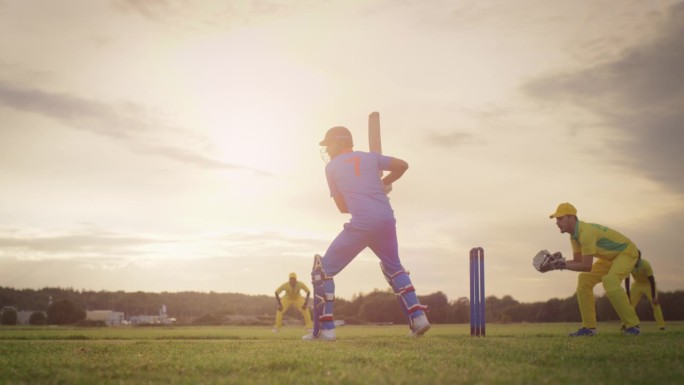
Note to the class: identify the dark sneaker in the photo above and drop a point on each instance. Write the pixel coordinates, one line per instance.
(633, 331)
(584, 332)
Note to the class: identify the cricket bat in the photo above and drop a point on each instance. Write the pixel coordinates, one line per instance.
(374, 138)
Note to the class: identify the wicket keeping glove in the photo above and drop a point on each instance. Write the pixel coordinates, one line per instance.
(545, 261)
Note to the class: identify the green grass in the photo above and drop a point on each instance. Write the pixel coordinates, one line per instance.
(510, 354)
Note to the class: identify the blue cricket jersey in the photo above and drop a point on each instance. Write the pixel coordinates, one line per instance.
(356, 177)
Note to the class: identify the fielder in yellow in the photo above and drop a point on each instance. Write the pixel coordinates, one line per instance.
(644, 285)
(292, 289)
(615, 256)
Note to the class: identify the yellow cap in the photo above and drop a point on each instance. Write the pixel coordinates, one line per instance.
(563, 210)
(293, 275)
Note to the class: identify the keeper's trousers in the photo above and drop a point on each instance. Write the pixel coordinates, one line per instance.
(298, 303)
(639, 289)
(611, 274)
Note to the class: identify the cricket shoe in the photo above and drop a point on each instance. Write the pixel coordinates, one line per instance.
(633, 331)
(419, 326)
(323, 335)
(584, 332)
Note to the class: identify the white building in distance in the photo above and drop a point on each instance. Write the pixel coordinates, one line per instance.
(109, 317)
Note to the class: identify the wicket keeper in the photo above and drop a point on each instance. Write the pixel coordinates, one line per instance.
(615, 256)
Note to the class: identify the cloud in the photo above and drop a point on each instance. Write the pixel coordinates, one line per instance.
(449, 140)
(106, 260)
(128, 122)
(194, 158)
(200, 12)
(150, 9)
(640, 94)
(75, 243)
(98, 244)
(77, 112)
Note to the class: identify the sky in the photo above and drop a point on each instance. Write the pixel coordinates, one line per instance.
(172, 145)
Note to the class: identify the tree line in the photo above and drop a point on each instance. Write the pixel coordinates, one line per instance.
(68, 306)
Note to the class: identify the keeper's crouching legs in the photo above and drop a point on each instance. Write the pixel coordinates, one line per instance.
(406, 294)
(324, 295)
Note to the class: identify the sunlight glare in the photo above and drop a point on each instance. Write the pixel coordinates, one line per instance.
(249, 96)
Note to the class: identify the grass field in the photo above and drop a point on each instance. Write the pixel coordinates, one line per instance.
(510, 354)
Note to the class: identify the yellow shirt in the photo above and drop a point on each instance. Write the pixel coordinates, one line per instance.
(599, 241)
(292, 292)
(642, 271)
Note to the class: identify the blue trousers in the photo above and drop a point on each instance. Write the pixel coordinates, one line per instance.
(381, 238)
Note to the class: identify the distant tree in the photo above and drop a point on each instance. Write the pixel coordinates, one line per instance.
(64, 312)
(570, 310)
(516, 313)
(495, 308)
(347, 310)
(438, 307)
(460, 311)
(37, 318)
(673, 305)
(605, 310)
(382, 306)
(550, 311)
(9, 316)
(377, 306)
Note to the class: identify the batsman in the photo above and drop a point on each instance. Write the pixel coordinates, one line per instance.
(615, 257)
(357, 188)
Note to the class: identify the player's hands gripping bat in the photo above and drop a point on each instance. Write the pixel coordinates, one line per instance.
(545, 261)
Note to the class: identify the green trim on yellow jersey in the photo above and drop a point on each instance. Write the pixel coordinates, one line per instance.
(599, 241)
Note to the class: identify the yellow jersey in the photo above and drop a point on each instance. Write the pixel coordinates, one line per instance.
(642, 271)
(292, 292)
(600, 241)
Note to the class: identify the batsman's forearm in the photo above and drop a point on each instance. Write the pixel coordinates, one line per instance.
(397, 168)
(392, 177)
(341, 204)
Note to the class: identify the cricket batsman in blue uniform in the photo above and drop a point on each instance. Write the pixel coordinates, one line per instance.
(357, 187)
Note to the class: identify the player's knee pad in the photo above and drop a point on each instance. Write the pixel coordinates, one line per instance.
(317, 273)
(327, 297)
(404, 290)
